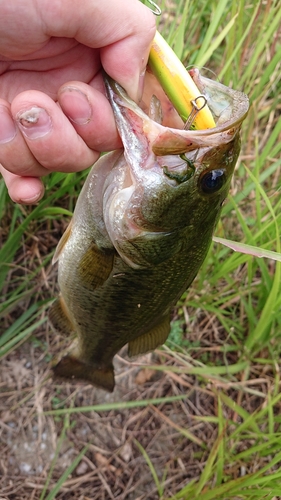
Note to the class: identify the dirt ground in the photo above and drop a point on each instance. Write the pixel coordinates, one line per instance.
(175, 436)
(113, 466)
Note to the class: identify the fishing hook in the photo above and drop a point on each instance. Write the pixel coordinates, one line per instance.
(157, 11)
(195, 110)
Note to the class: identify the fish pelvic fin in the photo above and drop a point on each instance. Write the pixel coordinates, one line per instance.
(72, 368)
(59, 317)
(151, 339)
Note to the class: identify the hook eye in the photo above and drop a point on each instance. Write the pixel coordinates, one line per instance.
(195, 111)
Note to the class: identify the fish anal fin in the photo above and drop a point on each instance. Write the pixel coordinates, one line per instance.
(95, 266)
(59, 317)
(62, 242)
(72, 368)
(151, 339)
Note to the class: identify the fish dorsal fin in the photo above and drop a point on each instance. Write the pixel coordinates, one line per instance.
(151, 339)
(62, 242)
(95, 266)
(59, 317)
(73, 368)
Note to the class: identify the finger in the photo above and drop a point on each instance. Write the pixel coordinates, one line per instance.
(49, 135)
(14, 152)
(122, 30)
(26, 190)
(91, 115)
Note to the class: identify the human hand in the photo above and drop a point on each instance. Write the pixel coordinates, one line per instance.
(54, 115)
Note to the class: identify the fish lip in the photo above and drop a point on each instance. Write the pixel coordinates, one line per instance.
(240, 101)
(165, 140)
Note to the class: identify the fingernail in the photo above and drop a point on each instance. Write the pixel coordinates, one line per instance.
(31, 200)
(75, 104)
(7, 126)
(135, 87)
(34, 122)
(27, 190)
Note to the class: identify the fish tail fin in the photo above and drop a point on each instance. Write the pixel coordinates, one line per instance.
(73, 368)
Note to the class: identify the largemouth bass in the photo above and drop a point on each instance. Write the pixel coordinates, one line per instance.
(141, 229)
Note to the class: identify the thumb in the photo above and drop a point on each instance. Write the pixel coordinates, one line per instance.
(123, 31)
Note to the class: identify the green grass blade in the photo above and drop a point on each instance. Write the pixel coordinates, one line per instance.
(151, 468)
(115, 406)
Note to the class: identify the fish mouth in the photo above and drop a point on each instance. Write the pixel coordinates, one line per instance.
(164, 137)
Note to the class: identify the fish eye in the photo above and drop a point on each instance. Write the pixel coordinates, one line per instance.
(212, 181)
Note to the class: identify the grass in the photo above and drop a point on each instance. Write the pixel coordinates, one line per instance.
(205, 422)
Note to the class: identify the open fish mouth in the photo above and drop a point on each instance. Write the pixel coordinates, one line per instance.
(166, 134)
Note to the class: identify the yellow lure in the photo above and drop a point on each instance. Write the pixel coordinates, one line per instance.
(177, 83)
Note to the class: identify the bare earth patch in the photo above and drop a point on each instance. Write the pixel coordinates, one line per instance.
(177, 436)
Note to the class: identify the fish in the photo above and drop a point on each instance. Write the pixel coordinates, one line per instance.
(141, 228)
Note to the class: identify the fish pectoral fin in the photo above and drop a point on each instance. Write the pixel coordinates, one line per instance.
(59, 318)
(73, 368)
(152, 339)
(95, 266)
(62, 242)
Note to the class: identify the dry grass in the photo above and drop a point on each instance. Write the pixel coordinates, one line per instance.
(113, 466)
